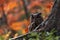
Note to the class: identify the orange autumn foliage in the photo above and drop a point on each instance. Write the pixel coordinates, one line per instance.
(19, 26)
(34, 4)
(1, 31)
(2, 1)
(10, 6)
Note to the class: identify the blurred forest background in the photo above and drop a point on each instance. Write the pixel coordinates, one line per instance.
(16, 20)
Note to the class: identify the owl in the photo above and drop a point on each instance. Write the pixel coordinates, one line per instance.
(37, 19)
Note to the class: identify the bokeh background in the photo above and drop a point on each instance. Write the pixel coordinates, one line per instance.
(17, 22)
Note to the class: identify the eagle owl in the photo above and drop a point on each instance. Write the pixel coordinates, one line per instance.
(37, 19)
